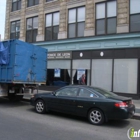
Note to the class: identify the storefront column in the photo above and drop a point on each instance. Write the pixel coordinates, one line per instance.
(73, 73)
(88, 77)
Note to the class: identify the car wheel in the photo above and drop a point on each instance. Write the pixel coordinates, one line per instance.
(40, 106)
(96, 116)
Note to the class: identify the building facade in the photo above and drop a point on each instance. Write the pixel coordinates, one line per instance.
(98, 37)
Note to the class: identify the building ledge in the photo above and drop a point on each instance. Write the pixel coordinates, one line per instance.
(129, 40)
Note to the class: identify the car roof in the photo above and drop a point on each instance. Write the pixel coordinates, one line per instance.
(85, 86)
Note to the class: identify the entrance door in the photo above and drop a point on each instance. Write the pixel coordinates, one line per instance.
(63, 77)
(82, 64)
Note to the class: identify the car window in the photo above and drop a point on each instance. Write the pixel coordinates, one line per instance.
(86, 93)
(105, 92)
(67, 92)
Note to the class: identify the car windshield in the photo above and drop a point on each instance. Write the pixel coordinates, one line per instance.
(105, 92)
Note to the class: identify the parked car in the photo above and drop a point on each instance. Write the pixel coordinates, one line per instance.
(97, 104)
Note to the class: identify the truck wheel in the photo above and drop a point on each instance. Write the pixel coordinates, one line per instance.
(19, 97)
(12, 97)
(40, 106)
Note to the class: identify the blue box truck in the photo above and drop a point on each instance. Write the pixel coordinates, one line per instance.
(22, 66)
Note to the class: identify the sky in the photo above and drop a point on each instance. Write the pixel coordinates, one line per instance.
(2, 17)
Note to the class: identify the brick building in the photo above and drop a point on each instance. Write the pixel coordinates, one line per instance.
(100, 37)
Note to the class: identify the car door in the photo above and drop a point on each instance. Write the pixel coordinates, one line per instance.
(85, 100)
(64, 100)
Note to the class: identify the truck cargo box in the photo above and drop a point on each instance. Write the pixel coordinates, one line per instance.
(21, 62)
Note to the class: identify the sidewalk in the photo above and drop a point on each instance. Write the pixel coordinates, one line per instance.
(136, 103)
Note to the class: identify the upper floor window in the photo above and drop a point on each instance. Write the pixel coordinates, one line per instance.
(31, 29)
(16, 5)
(32, 2)
(15, 30)
(52, 26)
(76, 22)
(134, 15)
(106, 20)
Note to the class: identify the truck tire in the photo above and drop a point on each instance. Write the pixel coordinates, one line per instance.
(19, 97)
(14, 97)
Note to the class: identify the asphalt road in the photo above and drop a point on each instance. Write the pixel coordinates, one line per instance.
(19, 121)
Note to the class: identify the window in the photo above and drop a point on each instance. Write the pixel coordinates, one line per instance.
(102, 73)
(15, 30)
(31, 29)
(76, 22)
(134, 15)
(32, 2)
(16, 5)
(85, 93)
(106, 18)
(105, 92)
(52, 26)
(67, 92)
(125, 75)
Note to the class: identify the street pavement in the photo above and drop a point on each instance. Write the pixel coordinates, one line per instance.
(19, 121)
(136, 103)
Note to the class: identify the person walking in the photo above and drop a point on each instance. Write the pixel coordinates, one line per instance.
(82, 80)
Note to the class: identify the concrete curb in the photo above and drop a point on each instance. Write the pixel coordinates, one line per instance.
(136, 116)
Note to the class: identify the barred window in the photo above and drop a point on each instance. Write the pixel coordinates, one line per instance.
(32, 2)
(52, 26)
(15, 30)
(106, 18)
(134, 15)
(31, 29)
(16, 5)
(76, 22)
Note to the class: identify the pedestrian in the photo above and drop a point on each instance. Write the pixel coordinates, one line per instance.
(82, 80)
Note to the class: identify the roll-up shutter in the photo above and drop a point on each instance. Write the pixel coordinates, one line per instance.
(62, 64)
(81, 64)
